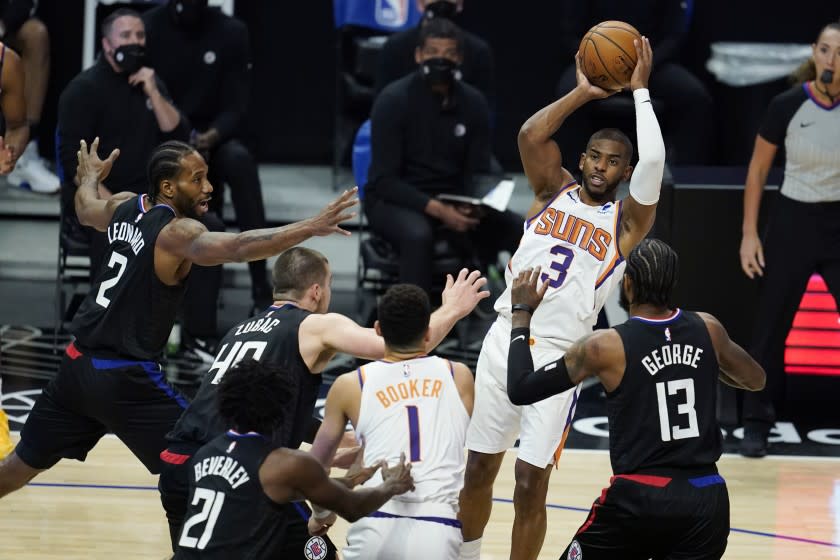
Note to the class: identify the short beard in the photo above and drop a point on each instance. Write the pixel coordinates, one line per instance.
(604, 197)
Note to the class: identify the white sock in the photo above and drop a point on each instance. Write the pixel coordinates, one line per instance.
(470, 550)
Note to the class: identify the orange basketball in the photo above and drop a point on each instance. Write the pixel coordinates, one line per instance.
(607, 54)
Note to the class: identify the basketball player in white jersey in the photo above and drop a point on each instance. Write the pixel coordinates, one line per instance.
(412, 404)
(578, 235)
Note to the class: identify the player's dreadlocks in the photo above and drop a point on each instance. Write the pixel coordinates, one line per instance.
(253, 396)
(165, 163)
(653, 267)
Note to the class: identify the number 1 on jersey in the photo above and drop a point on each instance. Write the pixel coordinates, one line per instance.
(413, 433)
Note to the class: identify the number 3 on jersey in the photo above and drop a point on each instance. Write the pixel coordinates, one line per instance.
(116, 260)
(561, 266)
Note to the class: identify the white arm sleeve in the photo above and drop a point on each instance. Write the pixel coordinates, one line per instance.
(646, 180)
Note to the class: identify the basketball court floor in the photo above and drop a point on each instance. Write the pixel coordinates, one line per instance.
(784, 506)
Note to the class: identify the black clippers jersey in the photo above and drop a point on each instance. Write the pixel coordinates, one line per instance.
(228, 514)
(663, 414)
(268, 338)
(129, 311)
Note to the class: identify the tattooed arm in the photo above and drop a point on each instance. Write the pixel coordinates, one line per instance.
(188, 240)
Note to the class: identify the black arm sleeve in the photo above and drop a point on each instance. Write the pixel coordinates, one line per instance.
(386, 150)
(235, 85)
(16, 14)
(526, 386)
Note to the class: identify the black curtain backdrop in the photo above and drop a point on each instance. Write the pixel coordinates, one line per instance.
(291, 118)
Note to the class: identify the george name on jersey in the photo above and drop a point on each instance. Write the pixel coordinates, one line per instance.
(672, 354)
(222, 466)
(122, 231)
(574, 230)
(409, 389)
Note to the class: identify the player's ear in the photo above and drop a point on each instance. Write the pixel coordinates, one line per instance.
(167, 188)
(377, 329)
(418, 55)
(581, 160)
(427, 336)
(627, 172)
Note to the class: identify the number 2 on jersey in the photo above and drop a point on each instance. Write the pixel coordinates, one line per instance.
(413, 433)
(561, 266)
(685, 408)
(116, 260)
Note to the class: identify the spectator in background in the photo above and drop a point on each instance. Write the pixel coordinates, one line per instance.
(687, 105)
(430, 135)
(397, 57)
(203, 57)
(28, 36)
(126, 105)
(803, 231)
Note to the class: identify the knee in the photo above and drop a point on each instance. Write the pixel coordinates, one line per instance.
(531, 486)
(33, 34)
(479, 473)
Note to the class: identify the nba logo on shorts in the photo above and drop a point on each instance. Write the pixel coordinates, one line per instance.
(575, 553)
(315, 549)
(391, 13)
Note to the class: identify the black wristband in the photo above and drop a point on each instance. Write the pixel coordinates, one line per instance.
(522, 307)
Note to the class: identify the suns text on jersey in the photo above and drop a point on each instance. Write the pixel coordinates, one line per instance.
(574, 230)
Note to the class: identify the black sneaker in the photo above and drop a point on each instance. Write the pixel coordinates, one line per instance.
(754, 443)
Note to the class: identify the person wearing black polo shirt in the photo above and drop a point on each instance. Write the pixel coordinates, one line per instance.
(203, 57)
(803, 231)
(124, 103)
(430, 135)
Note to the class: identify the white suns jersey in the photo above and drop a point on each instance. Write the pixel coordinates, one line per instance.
(413, 407)
(576, 247)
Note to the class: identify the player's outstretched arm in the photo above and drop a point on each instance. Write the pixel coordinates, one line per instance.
(639, 209)
(288, 474)
(540, 155)
(335, 420)
(737, 367)
(189, 240)
(91, 171)
(338, 333)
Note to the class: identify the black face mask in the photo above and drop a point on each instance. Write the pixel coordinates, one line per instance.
(130, 58)
(440, 9)
(440, 71)
(827, 76)
(188, 14)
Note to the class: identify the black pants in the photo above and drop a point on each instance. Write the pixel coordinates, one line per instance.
(198, 309)
(686, 124)
(90, 397)
(638, 517)
(413, 235)
(801, 238)
(231, 164)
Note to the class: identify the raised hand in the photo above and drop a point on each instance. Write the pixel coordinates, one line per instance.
(327, 220)
(644, 64)
(145, 76)
(525, 288)
(463, 293)
(398, 478)
(593, 91)
(90, 166)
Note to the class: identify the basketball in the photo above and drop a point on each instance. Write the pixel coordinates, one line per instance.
(607, 54)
